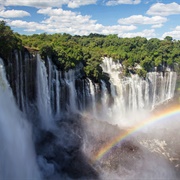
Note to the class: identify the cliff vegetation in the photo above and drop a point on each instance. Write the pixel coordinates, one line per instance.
(137, 55)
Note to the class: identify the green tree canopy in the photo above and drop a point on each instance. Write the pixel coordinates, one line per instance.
(8, 40)
(68, 51)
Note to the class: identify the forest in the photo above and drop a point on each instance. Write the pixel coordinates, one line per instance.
(137, 55)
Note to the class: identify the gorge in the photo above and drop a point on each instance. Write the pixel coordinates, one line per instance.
(54, 122)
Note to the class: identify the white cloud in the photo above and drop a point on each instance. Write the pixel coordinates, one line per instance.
(26, 25)
(175, 33)
(47, 3)
(63, 20)
(13, 13)
(139, 19)
(59, 20)
(116, 29)
(157, 26)
(77, 3)
(74, 23)
(148, 33)
(117, 2)
(161, 9)
(2, 19)
(1, 8)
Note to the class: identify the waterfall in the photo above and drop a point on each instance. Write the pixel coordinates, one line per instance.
(162, 86)
(37, 94)
(51, 81)
(92, 93)
(104, 98)
(133, 93)
(43, 95)
(57, 84)
(20, 81)
(17, 155)
(70, 82)
(58, 92)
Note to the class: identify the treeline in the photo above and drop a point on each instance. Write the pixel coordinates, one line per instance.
(8, 40)
(67, 51)
(70, 50)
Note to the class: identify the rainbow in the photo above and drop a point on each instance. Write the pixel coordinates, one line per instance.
(157, 117)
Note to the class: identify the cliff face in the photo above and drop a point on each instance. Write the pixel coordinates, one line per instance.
(63, 108)
(40, 87)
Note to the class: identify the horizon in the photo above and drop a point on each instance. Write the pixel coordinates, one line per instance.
(126, 18)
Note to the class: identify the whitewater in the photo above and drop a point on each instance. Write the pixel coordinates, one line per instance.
(62, 125)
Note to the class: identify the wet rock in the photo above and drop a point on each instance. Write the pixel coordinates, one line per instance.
(59, 152)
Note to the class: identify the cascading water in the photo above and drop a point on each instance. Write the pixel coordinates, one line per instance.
(57, 92)
(43, 95)
(57, 82)
(52, 96)
(129, 94)
(17, 153)
(132, 94)
(70, 82)
(92, 93)
(104, 98)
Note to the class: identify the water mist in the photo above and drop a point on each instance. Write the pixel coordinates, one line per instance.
(74, 118)
(17, 154)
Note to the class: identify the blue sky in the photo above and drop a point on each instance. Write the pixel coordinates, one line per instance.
(127, 18)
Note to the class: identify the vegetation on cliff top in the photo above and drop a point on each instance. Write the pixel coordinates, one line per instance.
(8, 40)
(70, 50)
(67, 51)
